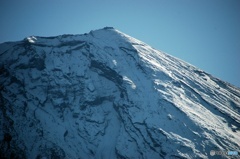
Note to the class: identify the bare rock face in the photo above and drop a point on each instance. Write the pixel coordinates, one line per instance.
(108, 95)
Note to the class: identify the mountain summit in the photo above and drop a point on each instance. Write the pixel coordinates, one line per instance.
(107, 95)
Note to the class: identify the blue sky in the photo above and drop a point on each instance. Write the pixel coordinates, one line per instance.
(205, 33)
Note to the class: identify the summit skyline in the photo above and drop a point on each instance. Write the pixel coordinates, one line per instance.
(202, 33)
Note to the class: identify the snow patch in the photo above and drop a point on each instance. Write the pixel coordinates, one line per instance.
(114, 62)
(32, 39)
(130, 82)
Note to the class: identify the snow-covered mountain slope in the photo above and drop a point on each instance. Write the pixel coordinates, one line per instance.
(108, 95)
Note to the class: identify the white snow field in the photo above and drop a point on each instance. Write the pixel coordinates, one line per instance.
(106, 95)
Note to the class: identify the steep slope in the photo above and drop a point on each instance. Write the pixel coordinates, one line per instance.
(108, 95)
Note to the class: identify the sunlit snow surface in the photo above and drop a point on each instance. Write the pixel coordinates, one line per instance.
(108, 95)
